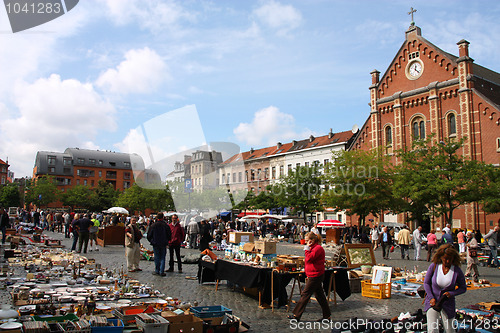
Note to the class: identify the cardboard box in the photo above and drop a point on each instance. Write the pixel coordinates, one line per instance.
(249, 247)
(183, 323)
(237, 237)
(216, 325)
(265, 247)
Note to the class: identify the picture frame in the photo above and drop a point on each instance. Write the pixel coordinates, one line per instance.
(381, 274)
(359, 254)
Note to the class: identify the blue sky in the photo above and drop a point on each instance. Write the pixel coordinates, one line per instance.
(255, 72)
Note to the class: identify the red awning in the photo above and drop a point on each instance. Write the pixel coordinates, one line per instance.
(249, 213)
(331, 224)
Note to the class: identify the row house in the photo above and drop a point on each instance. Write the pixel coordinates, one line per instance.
(253, 170)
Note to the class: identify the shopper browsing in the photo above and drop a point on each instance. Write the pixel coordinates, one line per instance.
(315, 272)
(444, 280)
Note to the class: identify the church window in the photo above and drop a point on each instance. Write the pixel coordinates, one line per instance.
(388, 135)
(418, 128)
(452, 125)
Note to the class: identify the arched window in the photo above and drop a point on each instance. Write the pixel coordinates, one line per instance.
(452, 124)
(388, 135)
(418, 128)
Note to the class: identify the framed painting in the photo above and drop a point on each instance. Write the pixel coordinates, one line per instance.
(381, 274)
(359, 254)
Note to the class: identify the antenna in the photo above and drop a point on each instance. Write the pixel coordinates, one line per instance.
(355, 129)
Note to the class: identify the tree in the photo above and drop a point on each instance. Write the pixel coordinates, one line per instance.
(9, 195)
(80, 196)
(41, 191)
(436, 176)
(359, 182)
(490, 196)
(105, 196)
(137, 198)
(300, 190)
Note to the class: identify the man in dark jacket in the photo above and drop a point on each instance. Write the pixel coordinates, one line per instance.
(4, 223)
(175, 243)
(159, 236)
(83, 226)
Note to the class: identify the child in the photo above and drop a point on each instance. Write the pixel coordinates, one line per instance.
(315, 272)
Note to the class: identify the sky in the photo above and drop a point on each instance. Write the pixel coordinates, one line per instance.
(159, 77)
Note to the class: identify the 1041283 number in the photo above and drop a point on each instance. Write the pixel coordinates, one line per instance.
(33, 8)
(482, 324)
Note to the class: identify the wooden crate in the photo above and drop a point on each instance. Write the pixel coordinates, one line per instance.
(380, 291)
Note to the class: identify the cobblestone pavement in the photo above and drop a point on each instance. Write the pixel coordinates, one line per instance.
(261, 320)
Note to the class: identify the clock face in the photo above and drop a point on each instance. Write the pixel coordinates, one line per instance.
(415, 69)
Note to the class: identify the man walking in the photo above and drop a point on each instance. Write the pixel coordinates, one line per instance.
(417, 242)
(4, 223)
(404, 239)
(133, 245)
(174, 245)
(386, 241)
(159, 235)
(193, 231)
(491, 237)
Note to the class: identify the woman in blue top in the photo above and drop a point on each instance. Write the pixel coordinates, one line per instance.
(444, 280)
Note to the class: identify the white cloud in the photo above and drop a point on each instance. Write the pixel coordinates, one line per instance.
(282, 18)
(53, 114)
(142, 71)
(152, 15)
(269, 126)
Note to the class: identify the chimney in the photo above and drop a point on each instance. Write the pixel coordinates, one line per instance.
(251, 150)
(278, 145)
(330, 134)
(311, 138)
(463, 48)
(294, 143)
(375, 76)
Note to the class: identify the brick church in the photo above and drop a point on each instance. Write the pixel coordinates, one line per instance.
(427, 90)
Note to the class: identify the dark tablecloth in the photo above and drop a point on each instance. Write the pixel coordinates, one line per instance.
(260, 277)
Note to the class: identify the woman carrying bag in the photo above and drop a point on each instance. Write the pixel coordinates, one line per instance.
(444, 280)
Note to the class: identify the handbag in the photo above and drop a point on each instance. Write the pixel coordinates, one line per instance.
(472, 252)
(392, 249)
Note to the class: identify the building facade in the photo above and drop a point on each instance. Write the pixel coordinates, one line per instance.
(4, 172)
(86, 167)
(427, 90)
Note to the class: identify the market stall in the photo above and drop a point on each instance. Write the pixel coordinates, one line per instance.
(111, 235)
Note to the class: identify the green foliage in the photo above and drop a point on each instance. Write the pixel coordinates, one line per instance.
(359, 182)
(137, 198)
(41, 191)
(80, 196)
(436, 176)
(105, 196)
(300, 190)
(490, 198)
(9, 195)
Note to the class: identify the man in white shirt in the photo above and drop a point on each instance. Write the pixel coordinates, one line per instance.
(417, 241)
(447, 229)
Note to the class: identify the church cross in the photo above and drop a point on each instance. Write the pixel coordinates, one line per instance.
(411, 13)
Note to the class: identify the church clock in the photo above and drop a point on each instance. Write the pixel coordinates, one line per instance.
(414, 69)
